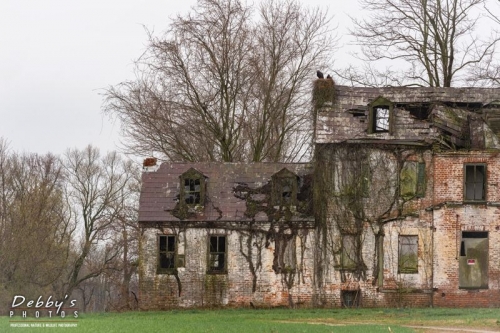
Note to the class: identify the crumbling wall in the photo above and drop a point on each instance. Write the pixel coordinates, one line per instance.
(359, 198)
(454, 218)
(192, 285)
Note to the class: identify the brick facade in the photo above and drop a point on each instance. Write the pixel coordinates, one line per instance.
(404, 216)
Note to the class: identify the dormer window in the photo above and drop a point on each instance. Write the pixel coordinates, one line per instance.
(192, 191)
(381, 119)
(380, 116)
(192, 188)
(285, 187)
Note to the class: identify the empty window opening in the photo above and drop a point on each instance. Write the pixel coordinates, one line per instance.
(381, 119)
(217, 254)
(408, 254)
(350, 298)
(420, 111)
(475, 180)
(167, 251)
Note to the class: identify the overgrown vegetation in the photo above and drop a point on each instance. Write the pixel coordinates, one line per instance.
(357, 193)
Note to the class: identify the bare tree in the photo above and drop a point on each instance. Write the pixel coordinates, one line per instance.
(488, 73)
(436, 38)
(97, 191)
(220, 85)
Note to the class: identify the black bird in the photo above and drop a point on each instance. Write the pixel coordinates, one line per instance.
(329, 77)
(320, 75)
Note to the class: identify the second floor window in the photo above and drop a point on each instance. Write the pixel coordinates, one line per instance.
(408, 254)
(474, 182)
(192, 191)
(284, 188)
(380, 112)
(381, 119)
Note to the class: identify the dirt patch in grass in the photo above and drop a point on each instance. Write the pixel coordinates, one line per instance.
(419, 328)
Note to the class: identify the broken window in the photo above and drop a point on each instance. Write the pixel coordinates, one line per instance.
(285, 256)
(379, 117)
(285, 187)
(349, 252)
(408, 254)
(192, 191)
(350, 298)
(473, 261)
(192, 187)
(166, 253)
(475, 180)
(217, 254)
(412, 180)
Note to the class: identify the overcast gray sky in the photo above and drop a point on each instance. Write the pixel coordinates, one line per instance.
(56, 56)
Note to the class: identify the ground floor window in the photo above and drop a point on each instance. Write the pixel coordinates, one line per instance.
(217, 254)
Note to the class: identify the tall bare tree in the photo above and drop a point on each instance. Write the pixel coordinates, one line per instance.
(221, 85)
(436, 38)
(97, 191)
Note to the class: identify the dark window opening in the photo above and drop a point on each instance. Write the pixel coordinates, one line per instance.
(192, 191)
(350, 298)
(474, 234)
(166, 253)
(217, 254)
(284, 188)
(286, 194)
(475, 180)
(420, 111)
(381, 119)
(192, 188)
(408, 254)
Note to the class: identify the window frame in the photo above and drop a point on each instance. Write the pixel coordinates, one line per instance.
(279, 180)
(403, 267)
(192, 175)
(419, 188)
(352, 263)
(384, 103)
(285, 253)
(174, 266)
(474, 182)
(218, 252)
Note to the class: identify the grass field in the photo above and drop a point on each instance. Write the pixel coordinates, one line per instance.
(275, 320)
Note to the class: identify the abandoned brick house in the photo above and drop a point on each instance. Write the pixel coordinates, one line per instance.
(400, 207)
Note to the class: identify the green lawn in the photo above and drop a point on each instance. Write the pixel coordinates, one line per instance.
(275, 320)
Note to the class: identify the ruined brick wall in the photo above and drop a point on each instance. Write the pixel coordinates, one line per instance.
(339, 125)
(376, 215)
(195, 287)
(452, 217)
